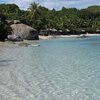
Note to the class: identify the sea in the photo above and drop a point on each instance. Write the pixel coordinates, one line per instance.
(58, 69)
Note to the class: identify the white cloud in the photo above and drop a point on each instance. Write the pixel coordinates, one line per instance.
(57, 4)
(21, 3)
(69, 3)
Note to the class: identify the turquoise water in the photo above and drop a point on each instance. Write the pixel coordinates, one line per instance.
(60, 69)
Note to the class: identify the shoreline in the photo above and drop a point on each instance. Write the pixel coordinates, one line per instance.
(34, 43)
(64, 36)
(24, 43)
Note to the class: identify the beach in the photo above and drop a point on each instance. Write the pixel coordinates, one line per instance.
(63, 36)
(62, 68)
(35, 43)
(49, 50)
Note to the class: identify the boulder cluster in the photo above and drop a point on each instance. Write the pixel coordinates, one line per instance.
(22, 31)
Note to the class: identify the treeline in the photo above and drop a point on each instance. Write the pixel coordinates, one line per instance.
(65, 19)
(4, 28)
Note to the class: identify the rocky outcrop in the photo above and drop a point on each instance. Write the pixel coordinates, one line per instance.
(22, 31)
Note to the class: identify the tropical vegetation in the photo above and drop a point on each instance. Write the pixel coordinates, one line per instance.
(42, 18)
(4, 28)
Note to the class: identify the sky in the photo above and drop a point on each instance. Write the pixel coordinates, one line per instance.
(56, 4)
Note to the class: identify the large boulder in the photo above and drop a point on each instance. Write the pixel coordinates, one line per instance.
(24, 32)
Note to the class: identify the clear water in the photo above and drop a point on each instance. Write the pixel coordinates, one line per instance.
(60, 69)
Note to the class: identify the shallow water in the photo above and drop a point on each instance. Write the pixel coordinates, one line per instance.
(60, 69)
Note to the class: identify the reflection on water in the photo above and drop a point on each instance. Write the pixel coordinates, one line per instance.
(60, 69)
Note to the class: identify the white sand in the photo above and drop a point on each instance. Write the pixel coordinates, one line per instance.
(63, 36)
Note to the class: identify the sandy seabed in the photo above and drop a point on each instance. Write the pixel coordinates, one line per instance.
(20, 80)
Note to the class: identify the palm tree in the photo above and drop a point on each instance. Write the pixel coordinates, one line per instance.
(34, 11)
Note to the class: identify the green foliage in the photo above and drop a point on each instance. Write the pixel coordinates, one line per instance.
(4, 28)
(33, 11)
(9, 8)
(67, 18)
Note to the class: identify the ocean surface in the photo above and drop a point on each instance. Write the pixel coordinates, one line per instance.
(59, 69)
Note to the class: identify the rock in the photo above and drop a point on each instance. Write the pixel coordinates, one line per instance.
(13, 21)
(16, 21)
(14, 38)
(24, 31)
(9, 22)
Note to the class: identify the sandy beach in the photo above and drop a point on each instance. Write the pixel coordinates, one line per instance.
(35, 43)
(63, 36)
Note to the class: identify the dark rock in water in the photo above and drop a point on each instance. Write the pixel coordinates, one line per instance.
(24, 32)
